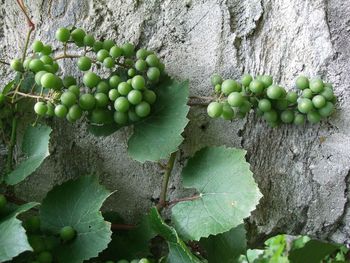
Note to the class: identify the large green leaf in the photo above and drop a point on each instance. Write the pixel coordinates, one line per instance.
(76, 204)
(13, 238)
(227, 193)
(36, 148)
(159, 135)
(226, 247)
(178, 251)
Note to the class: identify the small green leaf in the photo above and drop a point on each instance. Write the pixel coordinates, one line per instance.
(159, 135)
(13, 238)
(8, 87)
(36, 148)
(227, 193)
(76, 204)
(226, 247)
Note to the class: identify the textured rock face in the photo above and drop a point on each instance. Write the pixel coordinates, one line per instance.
(302, 172)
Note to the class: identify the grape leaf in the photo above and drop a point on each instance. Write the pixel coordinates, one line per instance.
(227, 193)
(36, 148)
(76, 203)
(226, 247)
(13, 238)
(178, 251)
(159, 135)
(8, 87)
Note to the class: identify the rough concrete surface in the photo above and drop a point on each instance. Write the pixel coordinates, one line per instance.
(302, 172)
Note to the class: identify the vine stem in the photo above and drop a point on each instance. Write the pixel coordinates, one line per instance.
(169, 168)
(4, 62)
(31, 29)
(63, 56)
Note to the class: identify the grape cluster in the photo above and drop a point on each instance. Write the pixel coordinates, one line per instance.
(143, 260)
(313, 100)
(124, 96)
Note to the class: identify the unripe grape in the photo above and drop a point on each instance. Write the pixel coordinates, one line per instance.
(102, 54)
(235, 99)
(45, 257)
(89, 40)
(149, 96)
(270, 116)
(140, 65)
(50, 109)
(134, 261)
(128, 49)
(102, 87)
(46, 50)
(138, 82)
(267, 81)
(133, 116)
(32, 224)
(313, 117)
(228, 86)
(281, 104)
(318, 101)
(55, 67)
(3, 202)
(40, 108)
(75, 112)
(264, 105)
(38, 77)
(287, 116)
(217, 88)
(292, 97)
(70, 119)
(153, 73)
(98, 45)
(256, 86)
(131, 72)
(69, 81)
(113, 94)
(50, 81)
(91, 79)
(47, 59)
(108, 44)
(246, 79)
(62, 34)
(307, 93)
(67, 233)
(114, 81)
(161, 67)
(26, 63)
(124, 88)
(37, 46)
(142, 53)
(274, 92)
(78, 35)
(75, 89)
(305, 105)
(152, 60)
(121, 104)
(36, 65)
(245, 107)
(16, 65)
(87, 101)
(129, 62)
(101, 100)
(108, 62)
(327, 110)
(61, 111)
(299, 119)
(143, 109)
(327, 93)
(316, 85)
(84, 63)
(216, 79)
(135, 97)
(215, 109)
(144, 260)
(121, 118)
(99, 116)
(115, 52)
(227, 112)
(302, 82)
(37, 243)
(68, 99)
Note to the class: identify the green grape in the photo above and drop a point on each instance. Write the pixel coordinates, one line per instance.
(91, 79)
(37, 243)
(327, 110)
(47, 59)
(134, 261)
(161, 67)
(131, 72)
(259, 112)
(51, 242)
(129, 62)
(316, 85)
(79, 44)
(292, 97)
(246, 80)
(61, 111)
(102, 87)
(302, 82)
(305, 105)
(140, 65)
(270, 116)
(68, 98)
(113, 94)
(101, 100)
(149, 96)
(69, 81)
(121, 104)
(108, 44)
(122, 261)
(254, 101)
(87, 101)
(318, 101)
(46, 50)
(138, 82)
(235, 99)
(128, 49)
(49, 68)
(84, 63)
(256, 86)
(38, 76)
(313, 117)
(129, 81)
(287, 116)
(50, 81)
(124, 88)
(26, 63)
(101, 55)
(3, 202)
(37, 46)
(281, 104)
(135, 97)
(215, 109)
(2, 98)
(67, 233)
(153, 73)
(245, 107)
(40, 108)
(142, 53)
(274, 92)
(143, 109)
(307, 93)
(45, 257)
(98, 45)
(217, 88)
(70, 119)
(36, 65)
(227, 112)
(133, 116)
(99, 116)
(16, 65)
(108, 62)
(228, 86)
(89, 40)
(115, 52)
(266, 80)
(75, 89)
(62, 34)
(152, 60)
(120, 118)
(299, 119)
(215, 79)
(78, 35)
(50, 110)
(75, 112)
(144, 260)
(327, 93)
(55, 67)
(32, 224)
(114, 81)
(264, 105)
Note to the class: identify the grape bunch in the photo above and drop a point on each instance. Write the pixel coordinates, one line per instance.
(143, 260)
(115, 86)
(313, 100)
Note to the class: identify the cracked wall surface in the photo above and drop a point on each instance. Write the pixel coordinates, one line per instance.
(302, 171)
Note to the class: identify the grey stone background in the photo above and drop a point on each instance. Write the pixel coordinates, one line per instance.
(302, 172)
